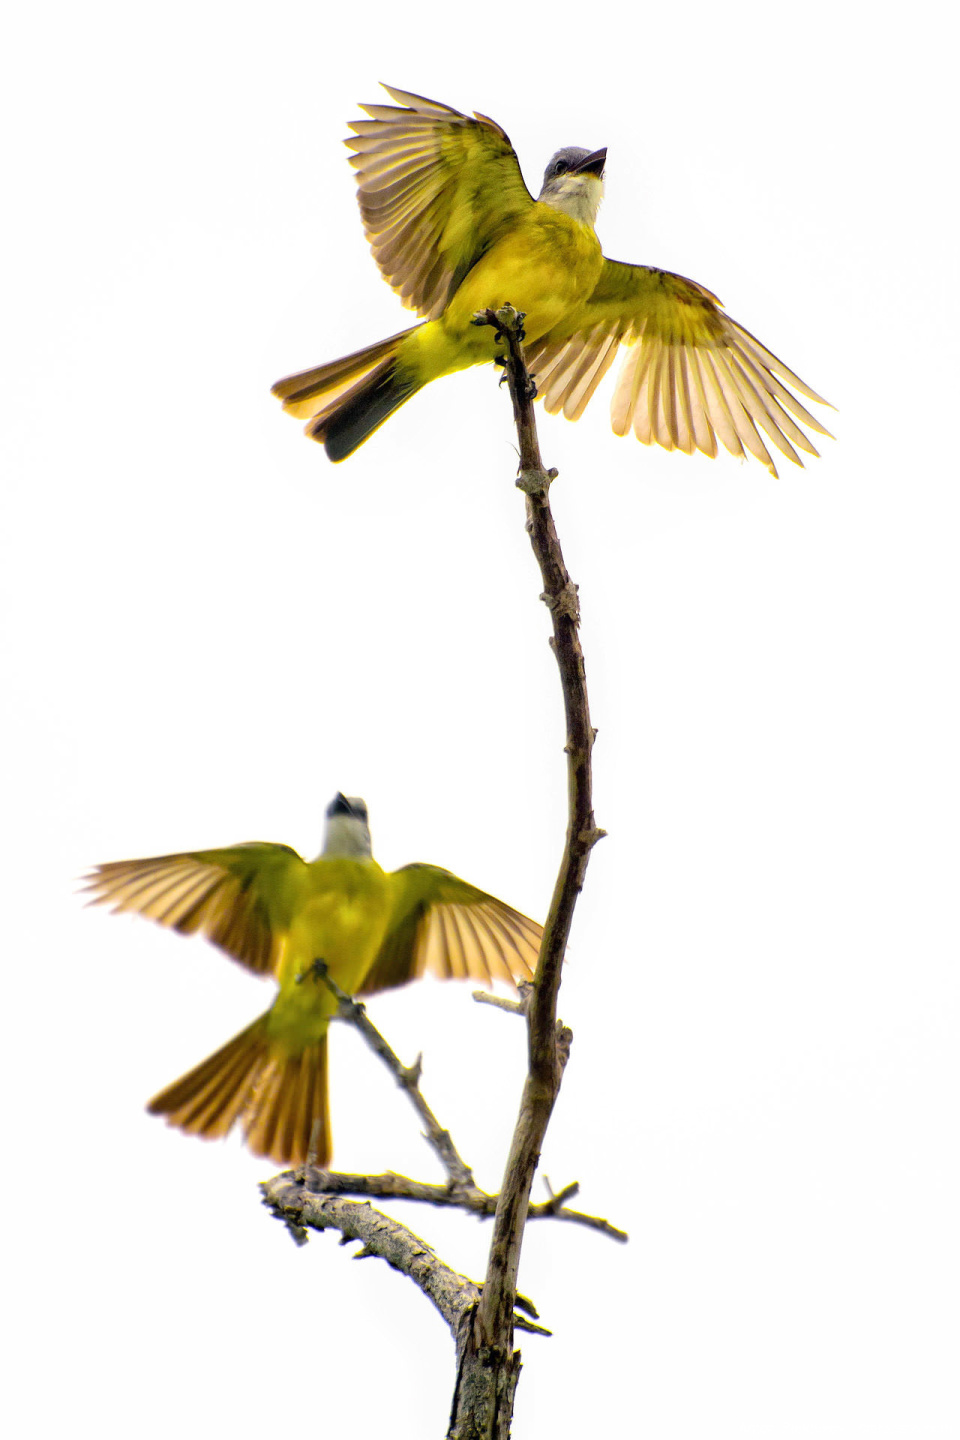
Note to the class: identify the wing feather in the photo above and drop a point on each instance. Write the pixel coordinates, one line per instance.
(580, 392)
(718, 413)
(771, 401)
(691, 374)
(706, 439)
(238, 897)
(436, 188)
(760, 410)
(685, 408)
(443, 926)
(492, 945)
(482, 956)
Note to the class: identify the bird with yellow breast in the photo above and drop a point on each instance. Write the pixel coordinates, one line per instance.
(277, 915)
(455, 231)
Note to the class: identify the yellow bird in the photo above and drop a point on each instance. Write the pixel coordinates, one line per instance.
(276, 914)
(455, 231)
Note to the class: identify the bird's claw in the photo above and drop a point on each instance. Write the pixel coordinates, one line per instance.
(316, 970)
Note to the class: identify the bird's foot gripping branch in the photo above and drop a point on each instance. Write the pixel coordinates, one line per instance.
(507, 322)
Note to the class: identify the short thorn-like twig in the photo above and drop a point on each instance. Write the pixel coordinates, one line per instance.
(503, 1002)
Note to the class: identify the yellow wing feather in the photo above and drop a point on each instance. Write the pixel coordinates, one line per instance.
(436, 189)
(238, 897)
(442, 926)
(692, 375)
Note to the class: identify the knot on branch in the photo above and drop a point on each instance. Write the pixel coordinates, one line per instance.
(589, 836)
(564, 602)
(536, 480)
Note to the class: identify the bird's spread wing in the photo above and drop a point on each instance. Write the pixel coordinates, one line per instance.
(436, 189)
(239, 897)
(691, 376)
(443, 926)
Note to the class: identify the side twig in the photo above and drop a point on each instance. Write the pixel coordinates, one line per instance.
(407, 1077)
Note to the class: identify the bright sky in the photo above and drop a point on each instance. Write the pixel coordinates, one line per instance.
(210, 630)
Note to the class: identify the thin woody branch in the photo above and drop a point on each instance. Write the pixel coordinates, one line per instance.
(483, 1318)
(488, 1366)
(407, 1077)
(390, 1186)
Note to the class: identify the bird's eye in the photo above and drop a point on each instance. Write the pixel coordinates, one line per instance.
(561, 167)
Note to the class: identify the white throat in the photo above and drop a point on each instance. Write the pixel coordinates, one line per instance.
(348, 837)
(578, 196)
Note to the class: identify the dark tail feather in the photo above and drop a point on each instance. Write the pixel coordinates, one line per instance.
(360, 412)
(346, 400)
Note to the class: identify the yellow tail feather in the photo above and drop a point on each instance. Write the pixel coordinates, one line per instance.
(280, 1100)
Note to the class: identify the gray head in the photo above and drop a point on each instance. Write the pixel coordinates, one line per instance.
(347, 832)
(573, 182)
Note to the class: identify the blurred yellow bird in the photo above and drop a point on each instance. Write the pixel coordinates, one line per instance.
(455, 231)
(276, 914)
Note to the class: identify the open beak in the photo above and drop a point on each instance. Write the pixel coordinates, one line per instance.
(593, 164)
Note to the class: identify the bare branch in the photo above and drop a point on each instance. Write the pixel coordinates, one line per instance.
(407, 1077)
(483, 1319)
(488, 1366)
(453, 1295)
(390, 1186)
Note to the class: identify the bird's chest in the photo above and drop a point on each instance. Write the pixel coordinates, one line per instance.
(545, 267)
(341, 919)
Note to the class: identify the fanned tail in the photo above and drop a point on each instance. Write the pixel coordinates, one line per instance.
(345, 401)
(280, 1100)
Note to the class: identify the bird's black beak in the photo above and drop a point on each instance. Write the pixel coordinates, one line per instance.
(593, 164)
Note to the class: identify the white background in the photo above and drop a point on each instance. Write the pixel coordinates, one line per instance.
(209, 629)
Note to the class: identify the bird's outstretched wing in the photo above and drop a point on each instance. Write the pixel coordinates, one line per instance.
(443, 926)
(691, 376)
(239, 897)
(436, 189)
